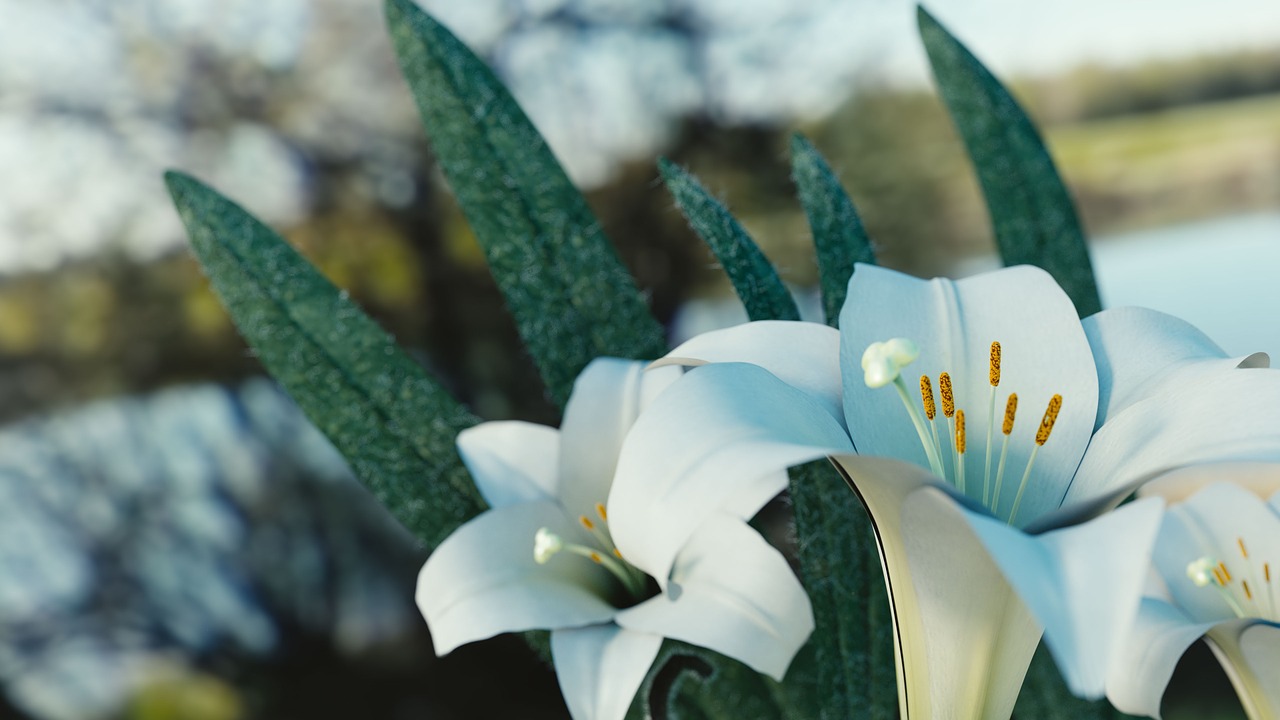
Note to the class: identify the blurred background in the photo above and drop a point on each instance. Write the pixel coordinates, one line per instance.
(177, 543)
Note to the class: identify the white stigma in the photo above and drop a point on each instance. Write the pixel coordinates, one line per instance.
(1201, 571)
(882, 362)
(546, 544)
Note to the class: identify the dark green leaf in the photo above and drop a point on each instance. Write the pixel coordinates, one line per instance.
(1033, 216)
(571, 297)
(393, 424)
(1045, 696)
(751, 273)
(851, 652)
(838, 235)
(692, 683)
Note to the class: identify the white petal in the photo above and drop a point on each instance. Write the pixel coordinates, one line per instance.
(1211, 523)
(1249, 652)
(804, 355)
(715, 441)
(1044, 352)
(733, 593)
(482, 580)
(1149, 653)
(1213, 415)
(606, 400)
(1132, 345)
(600, 668)
(1261, 479)
(512, 462)
(964, 639)
(1082, 583)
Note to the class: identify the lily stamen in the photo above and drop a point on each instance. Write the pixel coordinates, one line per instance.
(960, 450)
(949, 412)
(1042, 436)
(547, 544)
(1010, 409)
(931, 412)
(1204, 571)
(993, 375)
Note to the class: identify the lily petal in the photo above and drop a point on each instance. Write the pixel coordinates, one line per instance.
(512, 462)
(1044, 351)
(601, 667)
(1257, 669)
(804, 355)
(730, 591)
(482, 580)
(964, 639)
(1149, 653)
(1132, 345)
(737, 426)
(607, 397)
(1261, 479)
(1216, 414)
(1083, 583)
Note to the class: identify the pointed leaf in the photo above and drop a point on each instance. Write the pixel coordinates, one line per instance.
(838, 235)
(1034, 219)
(751, 273)
(395, 425)
(571, 297)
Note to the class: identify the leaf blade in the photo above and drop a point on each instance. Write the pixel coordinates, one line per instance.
(752, 275)
(838, 235)
(571, 297)
(1032, 214)
(395, 425)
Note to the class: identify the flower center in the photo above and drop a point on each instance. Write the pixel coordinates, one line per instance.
(602, 552)
(882, 364)
(1250, 592)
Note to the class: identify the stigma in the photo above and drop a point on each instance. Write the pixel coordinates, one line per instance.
(1245, 585)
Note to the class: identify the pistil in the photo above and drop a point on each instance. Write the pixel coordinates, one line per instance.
(547, 544)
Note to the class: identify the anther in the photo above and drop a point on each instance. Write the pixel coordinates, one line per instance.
(1219, 576)
(1225, 572)
(595, 558)
(995, 364)
(1266, 571)
(926, 394)
(586, 522)
(617, 553)
(960, 431)
(1243, 553)
(1248, 595)
(601, 512)
(1010, 409)
(948, 400)
(1050, 417)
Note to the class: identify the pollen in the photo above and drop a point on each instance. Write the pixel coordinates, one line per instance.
(926, 394)
(1243, 552)
(601, 512)
(1219, 576)
(1225, 572)
(1010, 409)
(595, 558)
(960, 431)
(995, 364)
(586, 522)
(948, 399)
(1050, 417)
(1247, 593)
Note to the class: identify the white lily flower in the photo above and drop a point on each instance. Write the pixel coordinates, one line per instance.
(1125, 394)
(1216, 575)
(544, 557)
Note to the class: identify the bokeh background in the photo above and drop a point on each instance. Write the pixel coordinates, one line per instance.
(176, 542)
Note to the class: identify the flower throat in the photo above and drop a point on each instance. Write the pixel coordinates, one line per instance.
(883, 362)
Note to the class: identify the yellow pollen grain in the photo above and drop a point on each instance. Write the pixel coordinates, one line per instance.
(1248, 595)
(601, 512)
(586, 522)
(1010, 409)
(1050, 417)
(1217, 575)
(960, 431)
(995, 364)
(1225, 572)
(948, 400)
(926, 394)
(1243, 553)
(595, 558)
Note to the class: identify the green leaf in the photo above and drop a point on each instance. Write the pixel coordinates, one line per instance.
(751, 273)
(838, 235)
(395, 425)
(852, 648)
(1045, 696)
(1033, 216)
(571, 297)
